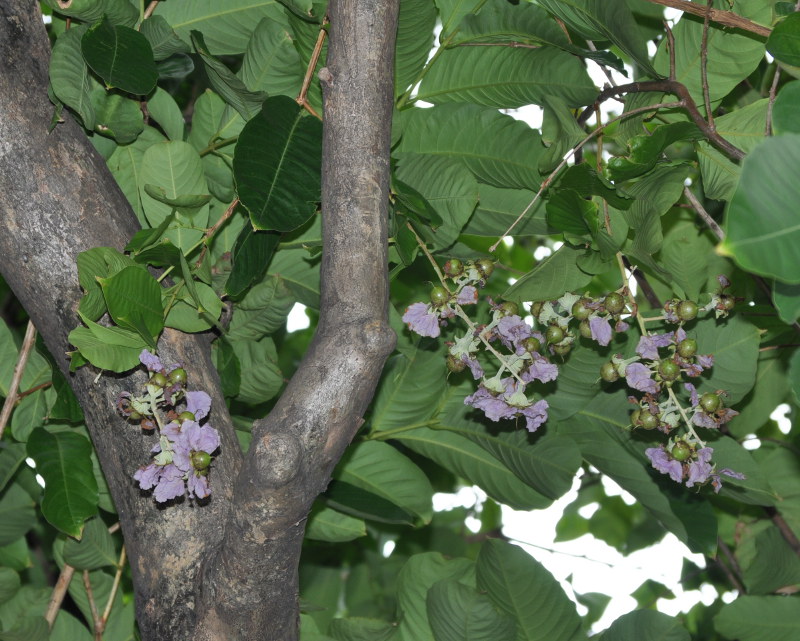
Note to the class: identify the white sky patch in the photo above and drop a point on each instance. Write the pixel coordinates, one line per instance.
(780, 416)
(542, 252)
(750, 442)
(297, 319)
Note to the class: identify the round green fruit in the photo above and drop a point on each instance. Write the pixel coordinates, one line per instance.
(509, 308)
(681, 451)
(585, 329)
(531, 344)
(200, 460)
(186, 416)
(710, 402)
(554, 334)
(648, 420)
(454, 364)
(536, 308)
(453, 268)
(158, 379)
(635, 417)
(485, 267)
(687, 347)
(579, 309)
(608, 372)
(669, 370)
(562, 350)
(439, 296)
(727, 302)
(177, 376)
(687, 310)
(614, 303)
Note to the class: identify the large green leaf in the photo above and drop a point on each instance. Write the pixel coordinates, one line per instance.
(685, 255)
(507, 77)
(64, 461)
(11, 457)
(498, 208)
(94, 550)
(499, 150)
(452, 12)
(163, 40)
(165, 111)
(646, 625)
(743, 128)
(774, 566)
(259, 361)
(9, 584)
(226, 28)
(458, 612)
(760, 618)
(784, 41)
(271, 62)
(17, 514)
(300, 272)
(124, 13)
(732, 55)
(787, 301)
(69, 76)
(116, 115)
(326, 524)
(785, 119)
(551, 278)
(110, 348)
(262, 311)
(414, 41)
(226, 83)
(277, 165)
(770, 389)
(176, 168)
(121, 56)
(251, 256)
(36, 371)
(382, 470)
(520, 586)
(761, 223)
(31, 413)
(133, 298)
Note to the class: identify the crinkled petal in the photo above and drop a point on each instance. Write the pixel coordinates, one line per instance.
(467, 296)
(172, 430)
(151, 361)
(704, 420)
(647, 348)
(421, 320)
(198, 486)
(199, 438)
(149, 476)
(722, 279)
(699, 472)
(492, 406)
(198, 403)
(693, 393)
(638, 377)
(705, 360)
(541, 370)
(474, 367)
(535, 415)
(621, 326)
(601, 330)
(665, 464)
(734, 475)
(171, 484)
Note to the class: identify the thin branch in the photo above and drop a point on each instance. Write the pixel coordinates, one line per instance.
(214, 228)
(33, 389)
(150, 8)
(725, 18)
(769, 348)
(546, 183)
(302, 97)
(19, 369)
(701, 211)
(57, 597)
(644, 285)
(670, 49)
(603, 67)
(733, 571)
(513, 45)
(96, 620)
(704, 65)
(787, 532)
(115, 586)
(212, 147)
(773, 90)
(686, 102)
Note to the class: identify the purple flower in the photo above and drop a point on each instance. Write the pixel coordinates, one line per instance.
(638, 377)
(704, 420)
(723, 281)
(621, 326)
(422, 320)
(198, 403)
(148, 476)
(541, 370)
(716, 481)
(170, 484)
(648, 345)
(512, 329)
(664, 463)
(467, 296)
(474, 366)
(151, 361)
(601, 330)
(705, 360)
(198, 486)
(693, 393)
(535, 415)
(700, 469)
(492, 406)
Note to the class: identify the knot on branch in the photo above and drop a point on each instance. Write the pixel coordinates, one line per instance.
(278, 458)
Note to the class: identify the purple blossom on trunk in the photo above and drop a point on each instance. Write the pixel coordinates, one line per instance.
(422, 320)
(638, 377)
(151, 361)
(170, 484)
(601, 330)
(664, 463)
(198, 403)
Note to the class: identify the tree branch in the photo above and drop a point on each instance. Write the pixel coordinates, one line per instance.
(725, 18)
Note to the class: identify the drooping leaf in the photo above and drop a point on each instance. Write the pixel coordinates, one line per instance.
(761, 227)
(165, 111)
(271, 62)
(326, 524)
(498, 208)
(259, 360)
(554, 275)
(363, 504)
(262, 311)
(124, 13)
(94, 550)
(646, 625)
(787, 301)
(251, 256)
(121, 56)
(31, 412)
(11, 457)
(452, 12)
(69, 76)
(117, 116)
(414, 41)
(163, 40)
(458, 612)
(111, 348)
(133, 299)
(785, 119)
(645, 150)
(784, 41)
(17, 514)
(277, 165)
(70, 495)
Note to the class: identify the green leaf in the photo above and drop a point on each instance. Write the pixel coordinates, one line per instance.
(762, 232)
(117, 116)
(363, 504)
(507, 77)
(774, 566)
(645, 625)
(300, 272)
(94, 550)
(685, 255)
(186, 202)
(448, 186)
(732, 55)
(413, 204)
(325, 524)
(93, 10)
(277, 165)
(228, 367)
(770, 389)
(9, 584)
(163, 40)
(17, 514)
(414, 41)
(361, 629)
(271, 62)
(794, 374)
(16, 555)
(382, 470)
(69, 628)
(567, 211)
(556, 274)
(743, 128)
(70, 495)
(260, 361)
(227, 28)
(760, 618)
(31, 413)
(30, 628)
(498, 208)
(755, 489)
(11, 457)
(66, 406)
(452, 12)
(497, 149)
(165, 111)
(133, 298)
(251, 256)
(226, 83)
(560, 132)
(457, 612)
(108, 348)
(520, 586)
(175, 167)
(262, 311)
(121, 56)
(646, 149)
(787, 301)
(784, 41)
(785, 119)
(69, 76)
(197, 312)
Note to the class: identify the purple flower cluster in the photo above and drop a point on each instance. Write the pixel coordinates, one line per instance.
(511, 402)
(697, 469)
(183, 455)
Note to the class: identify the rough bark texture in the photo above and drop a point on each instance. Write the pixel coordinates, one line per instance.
(227, 570)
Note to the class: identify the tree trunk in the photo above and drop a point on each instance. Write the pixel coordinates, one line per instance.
(226, 570)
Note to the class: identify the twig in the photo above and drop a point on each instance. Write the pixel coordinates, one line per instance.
(703, 67)
(212, 147)
(644, 285)
(19, 369)
(701, 211)
(604, 68)
(302, 97)
(97, 621)
(33, 389)
(769, 348)
(150, 8)
(513, 45)
(546, 183)
(213, 230)
(115, 586)
(725, 18)
(773, 90)
(670, 49)
(730, 572)
(785, 530)
(57, 597)
(686, 102)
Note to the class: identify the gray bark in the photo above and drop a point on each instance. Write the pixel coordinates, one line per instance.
(226, 570)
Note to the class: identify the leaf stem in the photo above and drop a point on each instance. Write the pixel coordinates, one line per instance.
(19, 369)
(685, 417)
